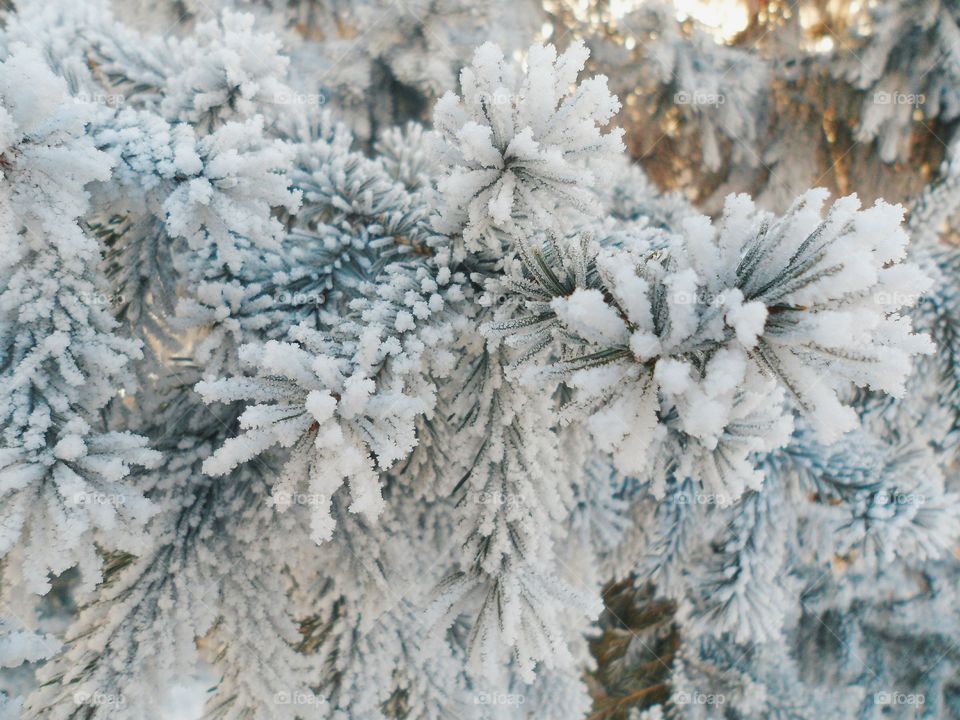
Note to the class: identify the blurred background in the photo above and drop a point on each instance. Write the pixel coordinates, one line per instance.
(719, 96)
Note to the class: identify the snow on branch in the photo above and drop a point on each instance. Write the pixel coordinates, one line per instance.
(60, 361)
(707, 330)
(495, 338)
(519, 146)
(345, 401)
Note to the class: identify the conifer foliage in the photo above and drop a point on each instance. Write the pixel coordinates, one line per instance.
(348, 421)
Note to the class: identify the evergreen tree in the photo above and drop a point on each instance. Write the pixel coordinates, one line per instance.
(353, 369)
